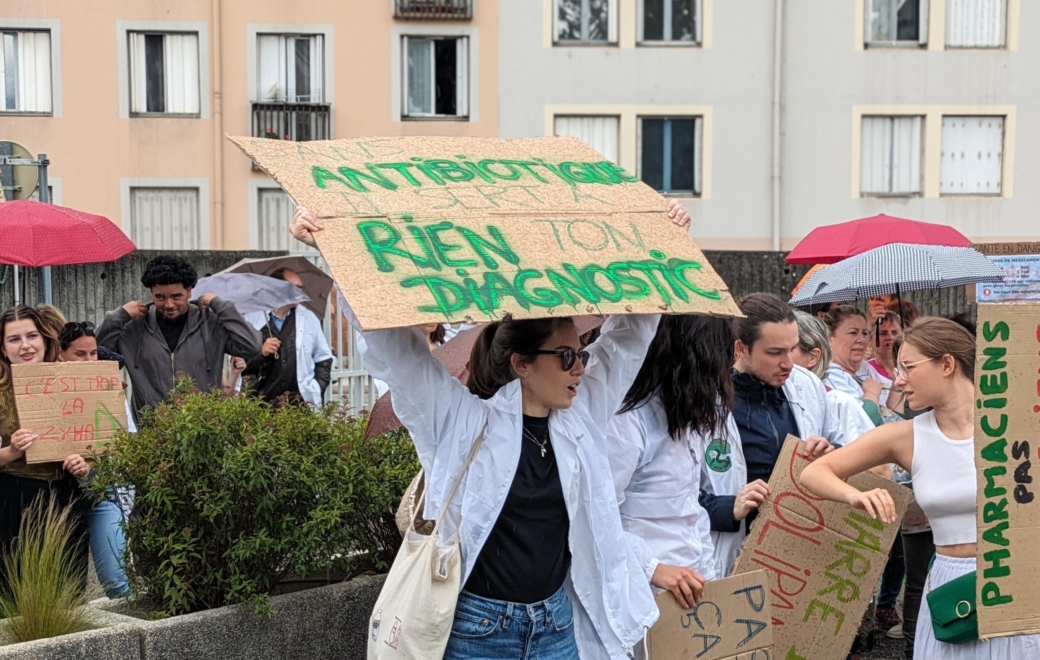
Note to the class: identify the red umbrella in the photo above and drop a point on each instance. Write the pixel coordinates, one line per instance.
(454, 355)
(36, 234)
(832, 243)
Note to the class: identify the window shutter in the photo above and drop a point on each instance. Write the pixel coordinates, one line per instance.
(317, 68)
(182, 73)
(976, 23)
(600, 133)
(972, 155)
(906, 155)
(138, 74)
(698, 22)
(34, 75)
(612, 21)
(462, 76)
(270, 83)
(922, 19)
(276, 212)
(3, 78)
(874, 152)
(698, 150)
(166, 219)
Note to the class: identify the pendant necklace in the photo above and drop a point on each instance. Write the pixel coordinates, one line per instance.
(541, 445)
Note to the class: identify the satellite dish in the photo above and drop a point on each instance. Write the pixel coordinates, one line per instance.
(17, 181)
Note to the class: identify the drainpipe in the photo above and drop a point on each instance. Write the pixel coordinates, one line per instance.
(778, 51)
(218, 132)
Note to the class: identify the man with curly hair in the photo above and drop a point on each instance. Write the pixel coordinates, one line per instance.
(171, 336)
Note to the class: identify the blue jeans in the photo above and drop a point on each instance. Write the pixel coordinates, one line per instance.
(107, 545)
(892, 578)
(486, 629)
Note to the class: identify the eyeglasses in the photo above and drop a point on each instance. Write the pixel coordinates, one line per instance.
(903, 370)
(568, 356)
(72, 331)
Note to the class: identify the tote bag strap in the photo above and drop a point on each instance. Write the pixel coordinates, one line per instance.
(455, 486)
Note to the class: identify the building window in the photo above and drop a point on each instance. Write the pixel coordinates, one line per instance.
(436, 77)
(275, 213)
(291, 68)
(600, 133)
(166, 219)
(586, 21)
(670, 21)
(890, 156)
(670, 154)
(897, 22)
(972, 155)
(164, 73)
(25, 72)
(976, 23)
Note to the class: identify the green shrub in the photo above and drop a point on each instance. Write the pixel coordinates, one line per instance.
(233, 495)
(46, 584)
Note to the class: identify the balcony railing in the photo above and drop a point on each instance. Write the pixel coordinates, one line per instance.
(298, 122)
(453, 10)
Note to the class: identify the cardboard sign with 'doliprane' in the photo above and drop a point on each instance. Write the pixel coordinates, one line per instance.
(824, 559)
(75, 407)
(731, 621)
(425, 230)
(1007, 439)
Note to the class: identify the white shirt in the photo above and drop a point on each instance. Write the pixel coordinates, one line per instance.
(840, 379)
(311, 348)
(612, 601)
(657, 481)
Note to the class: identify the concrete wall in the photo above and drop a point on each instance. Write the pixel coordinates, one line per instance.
(828, 76)
(93, 148)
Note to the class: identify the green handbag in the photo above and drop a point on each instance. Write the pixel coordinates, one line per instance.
(954, 613)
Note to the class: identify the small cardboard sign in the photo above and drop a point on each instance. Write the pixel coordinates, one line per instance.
(421, 230)
(75, 407)
(731, 620)
(823, 559)
(1007, 439)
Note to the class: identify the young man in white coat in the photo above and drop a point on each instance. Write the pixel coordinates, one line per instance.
(774, 398)
(295, 359)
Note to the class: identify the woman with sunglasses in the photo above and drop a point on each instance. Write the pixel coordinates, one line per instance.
(26, 337)
(936, 370)
(107, 542)
(682, 395)
(537, 516)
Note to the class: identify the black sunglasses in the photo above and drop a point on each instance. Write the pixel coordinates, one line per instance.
(568, 356)
(72, 331)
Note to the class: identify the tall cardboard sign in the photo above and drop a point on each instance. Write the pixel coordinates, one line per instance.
(823, 559)
(730, 622)
(432, 229)
(1007, 440)
(75, 407)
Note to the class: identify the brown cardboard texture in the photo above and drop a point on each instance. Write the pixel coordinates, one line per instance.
(75, 407)
(824, 559)
(1007, 439)
(422, 230)
(730, 621)
(1004, 249)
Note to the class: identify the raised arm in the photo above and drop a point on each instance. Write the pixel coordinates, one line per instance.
(110, 334)
(242, 339)
(826, 476)
(614, 361)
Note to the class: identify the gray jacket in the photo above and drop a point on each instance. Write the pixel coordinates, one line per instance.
(208, 334)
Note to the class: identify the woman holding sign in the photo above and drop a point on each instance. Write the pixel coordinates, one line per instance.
(536, 515)
(936, 369)
(683, 393)
(28, 338)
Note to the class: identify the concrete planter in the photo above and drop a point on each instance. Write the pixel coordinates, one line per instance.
(325, 622)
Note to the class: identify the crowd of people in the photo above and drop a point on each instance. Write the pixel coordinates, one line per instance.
(660, 432)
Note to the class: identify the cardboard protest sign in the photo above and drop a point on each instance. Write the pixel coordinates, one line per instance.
(75, 407)
(1007, 438)
(421, 230)
(823, 558)
(731, 620)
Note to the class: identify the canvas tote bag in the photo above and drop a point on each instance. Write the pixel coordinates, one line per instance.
(412, 617)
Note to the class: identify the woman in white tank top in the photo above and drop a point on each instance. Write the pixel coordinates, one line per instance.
(935, 370)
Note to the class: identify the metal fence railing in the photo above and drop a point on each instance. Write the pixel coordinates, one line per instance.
(455, 10)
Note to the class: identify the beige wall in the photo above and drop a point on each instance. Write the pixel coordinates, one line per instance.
(92, 149)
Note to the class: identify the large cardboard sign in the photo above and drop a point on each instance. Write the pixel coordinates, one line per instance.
(75, 407)
(731, 620)
(1007, 439)
(422, 230)
(824, 559)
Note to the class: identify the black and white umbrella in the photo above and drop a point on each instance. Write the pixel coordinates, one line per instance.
(894, 269)
(250, 292)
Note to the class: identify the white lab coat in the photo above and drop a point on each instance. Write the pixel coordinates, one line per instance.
(311, 348)
(657, 481)
(838, 418)
(612, 602)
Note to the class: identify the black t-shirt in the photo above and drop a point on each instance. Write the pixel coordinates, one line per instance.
(526, 557)
(171, 329)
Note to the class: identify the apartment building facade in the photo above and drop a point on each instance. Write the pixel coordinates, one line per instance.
(770, 123)
(131, 100)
